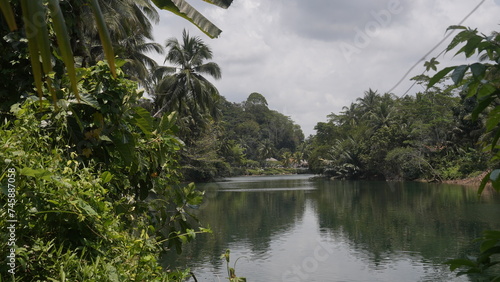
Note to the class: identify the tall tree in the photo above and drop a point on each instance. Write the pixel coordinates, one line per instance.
(369, 101)
(182, 87)
(130, 25)
(34, 17)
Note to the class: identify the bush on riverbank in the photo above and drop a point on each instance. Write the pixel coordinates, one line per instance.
(83, 176)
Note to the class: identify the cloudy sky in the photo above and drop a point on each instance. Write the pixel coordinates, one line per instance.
(310, 58)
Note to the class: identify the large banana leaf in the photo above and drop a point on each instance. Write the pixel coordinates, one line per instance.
(183, 9)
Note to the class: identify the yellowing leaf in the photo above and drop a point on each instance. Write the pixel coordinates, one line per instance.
(104, 35)
(8, 14)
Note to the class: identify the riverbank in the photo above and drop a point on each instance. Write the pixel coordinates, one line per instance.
(470, 181)
(275, 171)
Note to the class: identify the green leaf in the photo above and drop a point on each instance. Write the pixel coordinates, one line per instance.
(458, 74)
(89, 99)
(484, 102)
(167, 121)
(462, 36)
(37, 173)
(492, 234)
(125, 145)
(191, 233)
(494, 175)
(493, 119)
(33, 48)
(8, 14)
(188, 12)
(478, 70)
(106, 176)
(104, 35)
(470, 48)
(42, 39)
(495, 139)
(487, 244)
(143, 119)
(453, 27)
(438, 76)
(485, 180)
(86, 207)
(431, 64)
(495, 179)
(63, 41)
(486, 90)
(456, 263)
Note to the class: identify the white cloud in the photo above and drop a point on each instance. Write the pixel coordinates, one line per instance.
(290, 50)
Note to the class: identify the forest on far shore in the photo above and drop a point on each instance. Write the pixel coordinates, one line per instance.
(429, 136)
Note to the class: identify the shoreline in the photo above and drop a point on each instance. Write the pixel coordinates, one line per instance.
(471, 181)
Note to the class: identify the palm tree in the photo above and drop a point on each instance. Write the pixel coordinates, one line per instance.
(350, 115)
(368, 102)
(130, 25)
(382, 115)
(38, 36)
(182, 87)
(138, 65)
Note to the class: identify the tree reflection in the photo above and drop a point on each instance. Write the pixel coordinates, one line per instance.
(382, 220)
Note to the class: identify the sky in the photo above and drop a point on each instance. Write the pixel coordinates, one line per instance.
(311, 58)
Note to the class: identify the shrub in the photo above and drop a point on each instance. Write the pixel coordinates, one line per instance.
(95, 187)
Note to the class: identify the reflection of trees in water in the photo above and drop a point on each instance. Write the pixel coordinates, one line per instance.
(377, 218)
(248, 217)
(381, 217)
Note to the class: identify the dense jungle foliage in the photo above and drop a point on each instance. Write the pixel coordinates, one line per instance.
(93, 174)
(450, 130)
(249, 138)
(427, 136)
(91, 180)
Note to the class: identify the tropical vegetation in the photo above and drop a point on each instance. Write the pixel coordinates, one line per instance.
(480, 81)
(449, 131)
(91, 181)
(428, 136)
(94, 174)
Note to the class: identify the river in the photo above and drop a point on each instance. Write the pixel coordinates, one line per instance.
(293, 228)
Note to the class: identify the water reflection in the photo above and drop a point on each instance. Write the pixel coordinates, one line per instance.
(289, 228)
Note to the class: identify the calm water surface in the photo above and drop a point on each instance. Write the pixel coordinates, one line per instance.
(291, 228)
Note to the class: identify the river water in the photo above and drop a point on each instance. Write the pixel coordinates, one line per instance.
(293, 228)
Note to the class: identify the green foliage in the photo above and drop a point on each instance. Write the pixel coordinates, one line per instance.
(231, 272)
(427, 136)
(240, 141)
(96, 194)
(484, 263)
(257, 130)
(95, 174)
(481, 81)
(405, 163)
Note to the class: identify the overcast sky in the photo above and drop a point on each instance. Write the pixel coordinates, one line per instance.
(310, 58)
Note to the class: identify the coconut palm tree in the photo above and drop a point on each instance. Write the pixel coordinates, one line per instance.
(138, 65)
(60, 11)
(182, 87)
(130, 25)
(349, 115)
(369, 101)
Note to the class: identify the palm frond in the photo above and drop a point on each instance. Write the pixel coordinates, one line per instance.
(211, 69)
